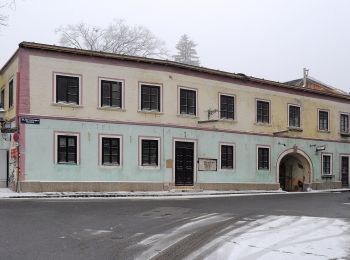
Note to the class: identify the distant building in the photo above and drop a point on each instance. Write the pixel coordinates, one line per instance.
(80, 120)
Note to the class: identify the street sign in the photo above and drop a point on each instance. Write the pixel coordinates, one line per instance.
(31, 121)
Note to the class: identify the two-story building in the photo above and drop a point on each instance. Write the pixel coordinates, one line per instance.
(93, 121)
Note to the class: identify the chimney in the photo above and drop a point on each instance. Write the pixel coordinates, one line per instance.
(306, 73)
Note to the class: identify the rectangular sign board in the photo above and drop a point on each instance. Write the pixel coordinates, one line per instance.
(32, 121)
(205, 164)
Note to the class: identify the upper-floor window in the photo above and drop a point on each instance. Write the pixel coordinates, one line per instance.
(67, 89)
(263, 158)
(111, 93)
(323, 120)
(344, 123)
(262, 111)
(294, 116)
(2, 98)
(227, 107)
(110, 151)
(67, 148)
(188, 101)
(150, 155)
(150, 97)
(226, 156)
(327, 164)
(11, 93)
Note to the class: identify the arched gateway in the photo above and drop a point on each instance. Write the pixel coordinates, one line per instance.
(294, 170)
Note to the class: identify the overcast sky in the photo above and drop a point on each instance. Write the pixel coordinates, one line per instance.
(271, 39)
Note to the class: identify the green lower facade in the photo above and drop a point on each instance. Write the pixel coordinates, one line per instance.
(294, 164)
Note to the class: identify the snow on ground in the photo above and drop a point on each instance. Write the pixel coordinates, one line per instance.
(283, 237)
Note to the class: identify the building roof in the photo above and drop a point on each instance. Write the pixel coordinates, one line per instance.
(173, 64)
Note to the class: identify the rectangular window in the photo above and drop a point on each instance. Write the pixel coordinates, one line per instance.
(11, 93)
(326, 164)
(67, 149)
(188, 102)
(344, 123)
(262, 112)
(67, 89)
(227, 104)
(149, 152)
(110, 151)
(150, 97)
(294, 116)
(323, 120)
(2, 101)
(227, 156)
(111, 93)
(263, 158)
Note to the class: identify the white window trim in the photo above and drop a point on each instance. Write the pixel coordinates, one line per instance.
(179, 102)
(150, 167)
(257, 157)
(160, 94)
(318, 120)
(331, 164)
(233, 159)
(256, 111)
(120, 151)
(347, 114)
(56, 135)
(234, 106)
(55, 74)
(100, 92)
(294, 105)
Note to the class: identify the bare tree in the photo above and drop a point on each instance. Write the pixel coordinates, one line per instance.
(186, 51)
(118, 38)
(3, 5)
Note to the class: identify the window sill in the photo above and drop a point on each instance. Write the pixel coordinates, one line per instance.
(345, 134)
(263, 124)
(142, 167)
(187, 116)
(111, 166)
(150, 112)
(324, 131)
(72, 105)
(295, 129)
(328, 176)
(227, 120)
(227, 169)
(67, 163)
(119, 109)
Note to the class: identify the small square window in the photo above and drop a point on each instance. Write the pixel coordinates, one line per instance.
(262, 112)
(263, 158)
(188, 102)
(227, 107)
(67, 89)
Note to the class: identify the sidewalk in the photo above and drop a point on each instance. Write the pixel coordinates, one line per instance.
(9, 194)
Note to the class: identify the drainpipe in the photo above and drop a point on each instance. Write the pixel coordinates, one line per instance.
(305, 74)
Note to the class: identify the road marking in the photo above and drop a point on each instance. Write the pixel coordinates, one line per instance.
(347, 204)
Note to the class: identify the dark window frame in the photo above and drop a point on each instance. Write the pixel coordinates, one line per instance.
(106, 143)
(262, 114)
(227, 158)
(147, 146)
(2, 97)
(294, 116)
(323, 122)
(105, 95)
(226, 112)
(263, 158)
(149, 101)
(11, 86)
(188, 105)
(344, 124)
(70, 94)
(64, 153)
(327, 166)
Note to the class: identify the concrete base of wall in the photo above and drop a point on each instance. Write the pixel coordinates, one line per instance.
(239, 186)
(3, 184)
(326, 185)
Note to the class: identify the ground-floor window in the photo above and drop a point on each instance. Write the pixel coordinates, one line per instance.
(327, 164)
(110, 147)
(263, 158)
(150, 154)
(67, 148)
(227, 156)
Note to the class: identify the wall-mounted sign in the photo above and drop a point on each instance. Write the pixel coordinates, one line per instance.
(32, 121)
(205, 164)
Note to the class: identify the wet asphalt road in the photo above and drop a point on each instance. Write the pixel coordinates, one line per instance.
(128, 228)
